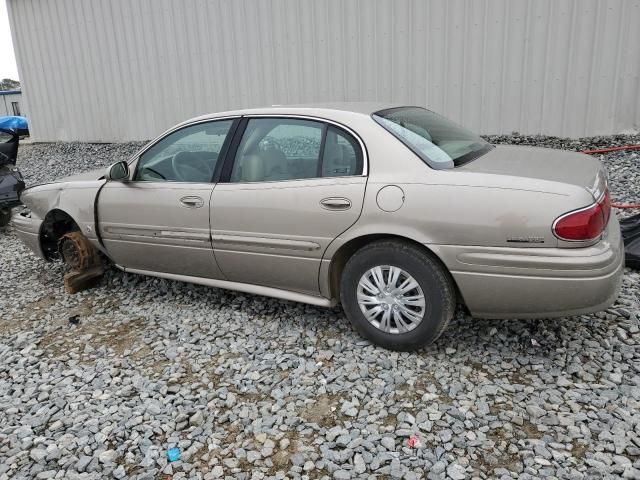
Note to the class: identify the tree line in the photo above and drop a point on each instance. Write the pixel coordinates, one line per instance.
(9, 84)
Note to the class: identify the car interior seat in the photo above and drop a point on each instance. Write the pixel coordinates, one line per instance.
(337, 159)
(251, 168)
(275, 164)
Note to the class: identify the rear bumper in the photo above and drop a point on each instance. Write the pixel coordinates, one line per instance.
(27, 227)
(538, 282)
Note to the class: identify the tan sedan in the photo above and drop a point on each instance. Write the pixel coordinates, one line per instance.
(395, 212)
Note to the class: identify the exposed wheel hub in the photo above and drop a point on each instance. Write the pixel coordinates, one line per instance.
(77, 252)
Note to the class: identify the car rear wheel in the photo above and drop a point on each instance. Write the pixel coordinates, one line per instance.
(396, 295)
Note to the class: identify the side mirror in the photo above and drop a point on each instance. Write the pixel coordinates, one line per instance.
(117, 172)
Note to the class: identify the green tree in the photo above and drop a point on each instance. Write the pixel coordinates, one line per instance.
(9, 84)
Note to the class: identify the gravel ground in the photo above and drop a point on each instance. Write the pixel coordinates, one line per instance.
(251, 387)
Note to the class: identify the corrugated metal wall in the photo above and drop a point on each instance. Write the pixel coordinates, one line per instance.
(114, 70)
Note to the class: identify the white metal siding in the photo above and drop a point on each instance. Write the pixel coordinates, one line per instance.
(114, 70)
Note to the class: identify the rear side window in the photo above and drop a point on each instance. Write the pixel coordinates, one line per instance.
(342, 154)
(280, 149)
(439, 142)
(276, 149)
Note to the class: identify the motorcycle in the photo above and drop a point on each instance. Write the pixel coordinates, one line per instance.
(11, 180)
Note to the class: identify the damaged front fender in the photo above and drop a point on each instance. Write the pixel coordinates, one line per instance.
(63, 207)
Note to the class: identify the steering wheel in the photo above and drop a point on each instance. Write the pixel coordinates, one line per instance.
(189, 167)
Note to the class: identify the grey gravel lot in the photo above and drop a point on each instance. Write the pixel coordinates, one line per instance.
(251, 387)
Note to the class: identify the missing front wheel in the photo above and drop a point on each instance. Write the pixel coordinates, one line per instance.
(83, 259)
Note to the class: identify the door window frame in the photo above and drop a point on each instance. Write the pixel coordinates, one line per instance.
(222, 156)
(230, 157)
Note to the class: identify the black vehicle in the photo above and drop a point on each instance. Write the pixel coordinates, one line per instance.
(11, 181)
(630, 228)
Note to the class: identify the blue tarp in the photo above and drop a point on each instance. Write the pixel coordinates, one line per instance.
(14, 124)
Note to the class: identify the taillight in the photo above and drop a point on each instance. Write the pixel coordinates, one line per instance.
(584, 224)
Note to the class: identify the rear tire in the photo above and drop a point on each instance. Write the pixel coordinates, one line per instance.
(396, 295)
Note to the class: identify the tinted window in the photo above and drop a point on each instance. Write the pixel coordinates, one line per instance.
(5, 136)
(275, 149)
(342, 154)
(437, 141)
(187, 155)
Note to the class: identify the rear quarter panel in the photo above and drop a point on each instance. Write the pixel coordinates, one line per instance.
(435, 213)
(453, 207)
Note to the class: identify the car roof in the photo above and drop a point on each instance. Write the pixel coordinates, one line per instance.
(319, 109)
(366, 108)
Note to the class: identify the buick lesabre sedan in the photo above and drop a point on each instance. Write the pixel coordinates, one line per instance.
(395, 212)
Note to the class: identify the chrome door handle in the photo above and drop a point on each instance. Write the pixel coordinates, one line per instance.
(335, 203)
(192, 202)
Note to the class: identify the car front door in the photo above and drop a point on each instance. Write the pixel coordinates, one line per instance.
(289, 187)
(158, 221)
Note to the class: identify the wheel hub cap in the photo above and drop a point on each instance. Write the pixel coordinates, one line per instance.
(391, 299)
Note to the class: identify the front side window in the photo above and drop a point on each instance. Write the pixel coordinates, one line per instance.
(439, 142)
(6, 137)
(186, 155)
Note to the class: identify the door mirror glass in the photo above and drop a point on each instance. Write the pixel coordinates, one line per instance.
(118, 172)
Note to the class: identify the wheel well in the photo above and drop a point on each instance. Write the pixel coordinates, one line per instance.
(56, 223)
(344, 253)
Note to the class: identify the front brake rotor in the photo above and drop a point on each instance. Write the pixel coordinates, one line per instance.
(77, 252)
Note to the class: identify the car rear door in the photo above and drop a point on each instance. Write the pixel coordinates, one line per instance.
(289, 187)
(159, 220)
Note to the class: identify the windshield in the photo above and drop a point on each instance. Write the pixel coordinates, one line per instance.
(439, 142)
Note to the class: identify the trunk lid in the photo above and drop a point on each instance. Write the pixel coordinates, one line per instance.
(549, 165)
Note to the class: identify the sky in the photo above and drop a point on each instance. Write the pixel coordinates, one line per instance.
(8, 68)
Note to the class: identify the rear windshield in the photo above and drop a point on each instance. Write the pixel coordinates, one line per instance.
(439, 142)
